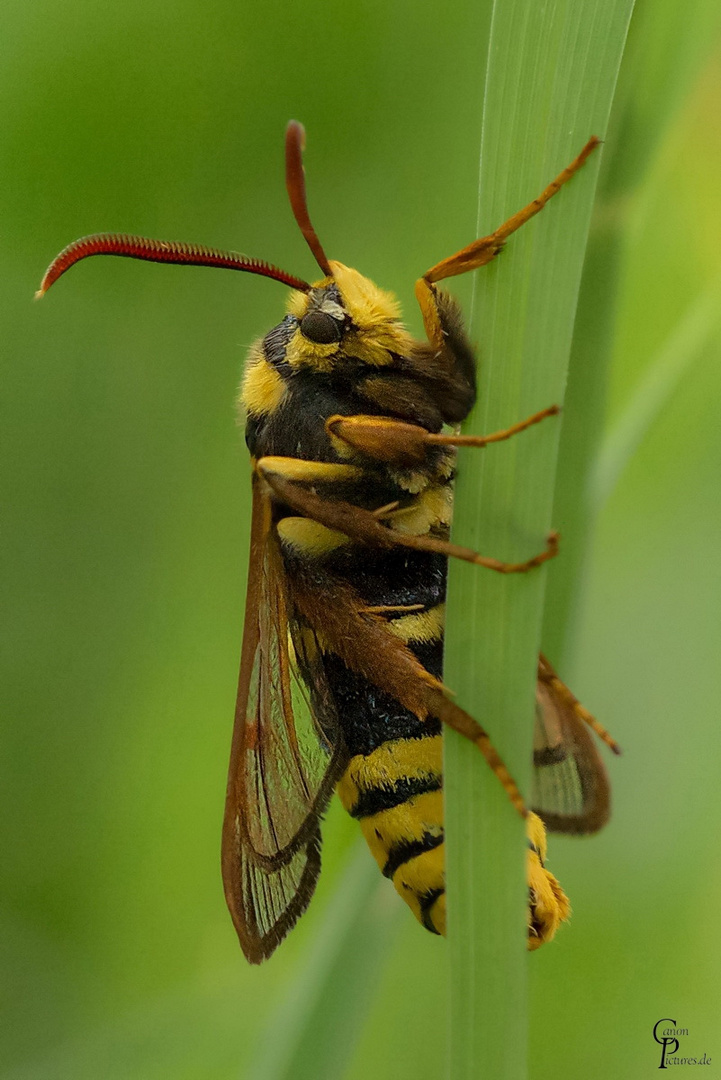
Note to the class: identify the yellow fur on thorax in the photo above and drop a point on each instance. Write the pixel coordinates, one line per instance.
(263, 389)
(432, 508)
(301, 352)
(310, 537)
(308, 471)
(423, 626)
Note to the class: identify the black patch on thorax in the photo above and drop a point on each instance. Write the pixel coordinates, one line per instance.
(393, 578)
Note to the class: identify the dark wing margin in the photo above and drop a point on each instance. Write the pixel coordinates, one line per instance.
(285, 759)
(570, 790)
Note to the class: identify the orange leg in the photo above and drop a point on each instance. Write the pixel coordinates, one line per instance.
(402, 443)
(483, 250)
(363, 525)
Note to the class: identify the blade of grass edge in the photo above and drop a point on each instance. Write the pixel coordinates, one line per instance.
(550, 81)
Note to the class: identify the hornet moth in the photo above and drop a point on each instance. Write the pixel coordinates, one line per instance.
(351, 423)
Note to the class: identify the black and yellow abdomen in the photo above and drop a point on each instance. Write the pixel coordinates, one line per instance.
(393, 784)
(396, 794)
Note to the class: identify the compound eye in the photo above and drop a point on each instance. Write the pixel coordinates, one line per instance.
(320, 327)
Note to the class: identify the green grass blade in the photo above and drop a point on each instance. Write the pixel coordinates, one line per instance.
(550, 82)
(662, 377)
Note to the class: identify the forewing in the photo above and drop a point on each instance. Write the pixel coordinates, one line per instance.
(285, 757)
(570, 786)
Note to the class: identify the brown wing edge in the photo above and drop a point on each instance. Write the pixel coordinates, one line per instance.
(255, 945)
(259, 947)
(576, 742)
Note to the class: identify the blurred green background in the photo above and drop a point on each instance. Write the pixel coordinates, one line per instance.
(125, 521)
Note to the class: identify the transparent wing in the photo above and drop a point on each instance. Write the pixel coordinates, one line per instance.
(285, 759)
(570, 789)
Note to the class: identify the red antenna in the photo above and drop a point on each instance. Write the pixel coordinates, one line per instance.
(162, 251)
(295, 184)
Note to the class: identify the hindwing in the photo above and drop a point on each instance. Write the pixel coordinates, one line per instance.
(570, 788)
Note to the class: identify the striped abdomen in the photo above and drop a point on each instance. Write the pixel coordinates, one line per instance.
(396, 794)
(394, 780)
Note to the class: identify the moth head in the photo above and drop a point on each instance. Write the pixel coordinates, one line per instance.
(343, 316)
(344, 320)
